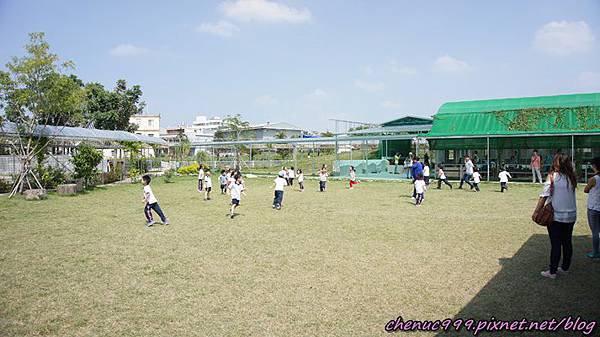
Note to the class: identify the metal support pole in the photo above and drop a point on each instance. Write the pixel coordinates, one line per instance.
(336, 151)
(365, 155)
(488, 158)
(573, 151)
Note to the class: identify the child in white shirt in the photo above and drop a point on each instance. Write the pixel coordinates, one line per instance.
(441, 176)
(291, 176)
(420, 188)
(237, 189)
(323, 178)
(207, 185)
(503, 175)
(280, 183)
(200, 178)
(151, 203)
(353, 180)
(301, 180)
(426, 173)
(476, 179)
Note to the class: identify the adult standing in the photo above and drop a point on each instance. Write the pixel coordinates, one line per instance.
(396, 162)
(536, 164)
(468, 172)
(408, 164)
(593, 208)
(560, 187)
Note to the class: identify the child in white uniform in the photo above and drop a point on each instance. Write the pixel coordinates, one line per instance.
(207, 185)
(151, 203)
(503, 175)
(237, 189)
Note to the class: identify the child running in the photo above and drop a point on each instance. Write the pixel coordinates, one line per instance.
(504, 175)
(223, 181)
(476, 179)
(441, 177)
(353, 180)
(301, 180)
(151, 203)
(323, 178)
(207, 185)
(237, 189)
(200, 178)
(291, 176)
(280, 183)
(420, 188)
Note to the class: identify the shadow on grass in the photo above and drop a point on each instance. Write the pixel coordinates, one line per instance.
(519, 291)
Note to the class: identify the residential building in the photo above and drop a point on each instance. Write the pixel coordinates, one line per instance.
(148, 125)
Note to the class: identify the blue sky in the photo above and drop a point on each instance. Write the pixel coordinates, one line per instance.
(307, 61)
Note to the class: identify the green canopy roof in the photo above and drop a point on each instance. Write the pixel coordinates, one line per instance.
(561, 114)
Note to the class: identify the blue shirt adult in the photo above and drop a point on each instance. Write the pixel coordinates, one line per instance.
(416, 169)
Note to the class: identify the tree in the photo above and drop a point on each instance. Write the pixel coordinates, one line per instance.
(35, 93)
(280, 135)
(234, 127)
(111, 110)
(86, 161)
(327, 134)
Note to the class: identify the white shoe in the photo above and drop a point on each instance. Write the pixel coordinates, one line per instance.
(547, 274)
(562, 271)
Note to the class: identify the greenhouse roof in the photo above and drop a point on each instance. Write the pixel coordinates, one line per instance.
(561, 114)
(76, 133)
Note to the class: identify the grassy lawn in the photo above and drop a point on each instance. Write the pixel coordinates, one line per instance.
(340, 263)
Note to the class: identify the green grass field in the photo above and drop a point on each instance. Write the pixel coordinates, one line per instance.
(340, 263)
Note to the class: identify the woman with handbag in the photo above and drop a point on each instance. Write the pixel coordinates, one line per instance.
(560, 188)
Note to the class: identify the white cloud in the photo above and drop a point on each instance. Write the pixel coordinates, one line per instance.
(265, 100)
(264, 11)
(369, 86)
(589, 79)
(391, 104)
(317, 93)
(128, 50)
(221, 28)
(564, 38)
(394, 67)
(449, 64)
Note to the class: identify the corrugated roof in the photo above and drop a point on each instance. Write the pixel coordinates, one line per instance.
(76, 133)
(393, 129)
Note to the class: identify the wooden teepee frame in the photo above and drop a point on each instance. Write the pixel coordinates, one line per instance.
(27, 143)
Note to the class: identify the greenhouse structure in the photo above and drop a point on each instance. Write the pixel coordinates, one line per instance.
(504, 132)
(495, 133)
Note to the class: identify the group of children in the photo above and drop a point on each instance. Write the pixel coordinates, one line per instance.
(231, 183)
(421, 173)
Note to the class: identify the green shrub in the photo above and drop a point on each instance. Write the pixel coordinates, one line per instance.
(190, 169)
(133, 174)
(50, 177)
(86, 160)
(169, 176)
(5, 186)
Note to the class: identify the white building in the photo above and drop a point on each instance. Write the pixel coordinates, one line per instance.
(148, 125)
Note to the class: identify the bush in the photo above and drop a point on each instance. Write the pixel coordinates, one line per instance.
(169, 175)
(114, 175)
(190, 169)
(134, 174)
(50, 177)
(5, 186)
(86, 160)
